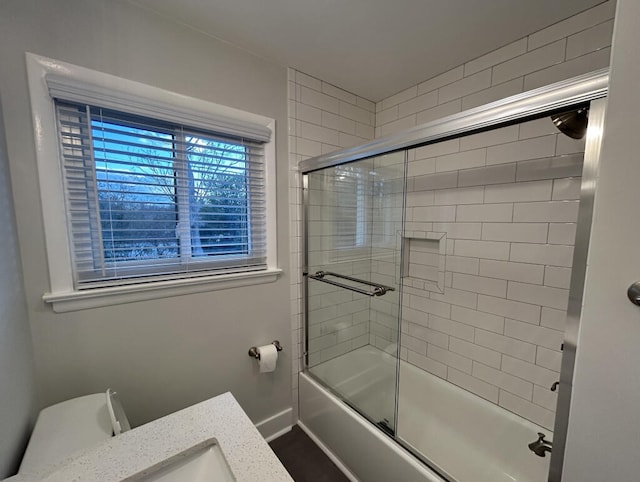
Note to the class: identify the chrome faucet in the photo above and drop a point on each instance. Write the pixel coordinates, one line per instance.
(541, 446)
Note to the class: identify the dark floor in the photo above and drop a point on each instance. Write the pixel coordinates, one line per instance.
(303, 458)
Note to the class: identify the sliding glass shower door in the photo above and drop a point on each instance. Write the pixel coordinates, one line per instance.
(481, 352)
(354, 217)
(444, 283)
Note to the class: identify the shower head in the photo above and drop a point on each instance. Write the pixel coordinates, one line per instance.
(573, 123)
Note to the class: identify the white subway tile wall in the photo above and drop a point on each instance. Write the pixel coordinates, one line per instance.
(497, 328)
(323, 118)
(574, 46)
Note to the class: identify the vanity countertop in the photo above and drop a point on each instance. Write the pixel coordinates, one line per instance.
(131, 453)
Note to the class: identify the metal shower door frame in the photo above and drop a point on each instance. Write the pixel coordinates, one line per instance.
(590, 168)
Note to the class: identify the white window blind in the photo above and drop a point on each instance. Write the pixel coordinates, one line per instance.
(148, 199)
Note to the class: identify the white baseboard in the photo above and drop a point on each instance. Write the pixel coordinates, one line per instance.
(276, 425)
(338, 463)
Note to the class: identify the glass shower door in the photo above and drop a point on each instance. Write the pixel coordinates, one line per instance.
(481, 347)
(354, 217)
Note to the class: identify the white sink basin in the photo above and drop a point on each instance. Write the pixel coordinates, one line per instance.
(198, 464)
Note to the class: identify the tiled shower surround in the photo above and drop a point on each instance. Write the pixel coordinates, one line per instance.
(323, 118)
(575, 46)
(503, 204)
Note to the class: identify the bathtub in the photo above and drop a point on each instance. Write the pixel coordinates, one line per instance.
(464, 437)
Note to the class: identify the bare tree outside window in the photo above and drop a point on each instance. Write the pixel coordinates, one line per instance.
(178, 195)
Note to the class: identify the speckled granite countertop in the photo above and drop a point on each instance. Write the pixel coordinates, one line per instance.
(133, 453)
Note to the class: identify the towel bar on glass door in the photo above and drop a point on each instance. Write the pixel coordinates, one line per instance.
(378, 289)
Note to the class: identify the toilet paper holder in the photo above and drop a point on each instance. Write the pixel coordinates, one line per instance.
(253, 351)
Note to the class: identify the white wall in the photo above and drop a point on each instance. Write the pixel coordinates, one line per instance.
(165, 354)
(604, 424)
(17, 377)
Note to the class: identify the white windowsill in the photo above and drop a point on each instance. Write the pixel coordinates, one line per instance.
(81, 300)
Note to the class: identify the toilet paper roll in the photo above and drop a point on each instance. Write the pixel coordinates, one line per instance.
(268, 358)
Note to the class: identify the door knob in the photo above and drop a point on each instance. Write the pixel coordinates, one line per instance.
(634, 293)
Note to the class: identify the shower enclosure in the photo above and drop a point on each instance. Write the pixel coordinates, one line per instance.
(443, 277)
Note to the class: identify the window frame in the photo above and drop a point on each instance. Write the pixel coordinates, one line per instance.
(139, 99)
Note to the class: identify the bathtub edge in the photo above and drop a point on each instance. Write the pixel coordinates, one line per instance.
(396, 460)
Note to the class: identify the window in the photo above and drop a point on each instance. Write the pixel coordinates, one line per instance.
(351, 215)
(150, 198)
(148, 193)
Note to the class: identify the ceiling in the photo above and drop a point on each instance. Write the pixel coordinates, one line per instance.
(373, 48)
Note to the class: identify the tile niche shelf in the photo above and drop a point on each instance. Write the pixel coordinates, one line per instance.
(424, 260)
